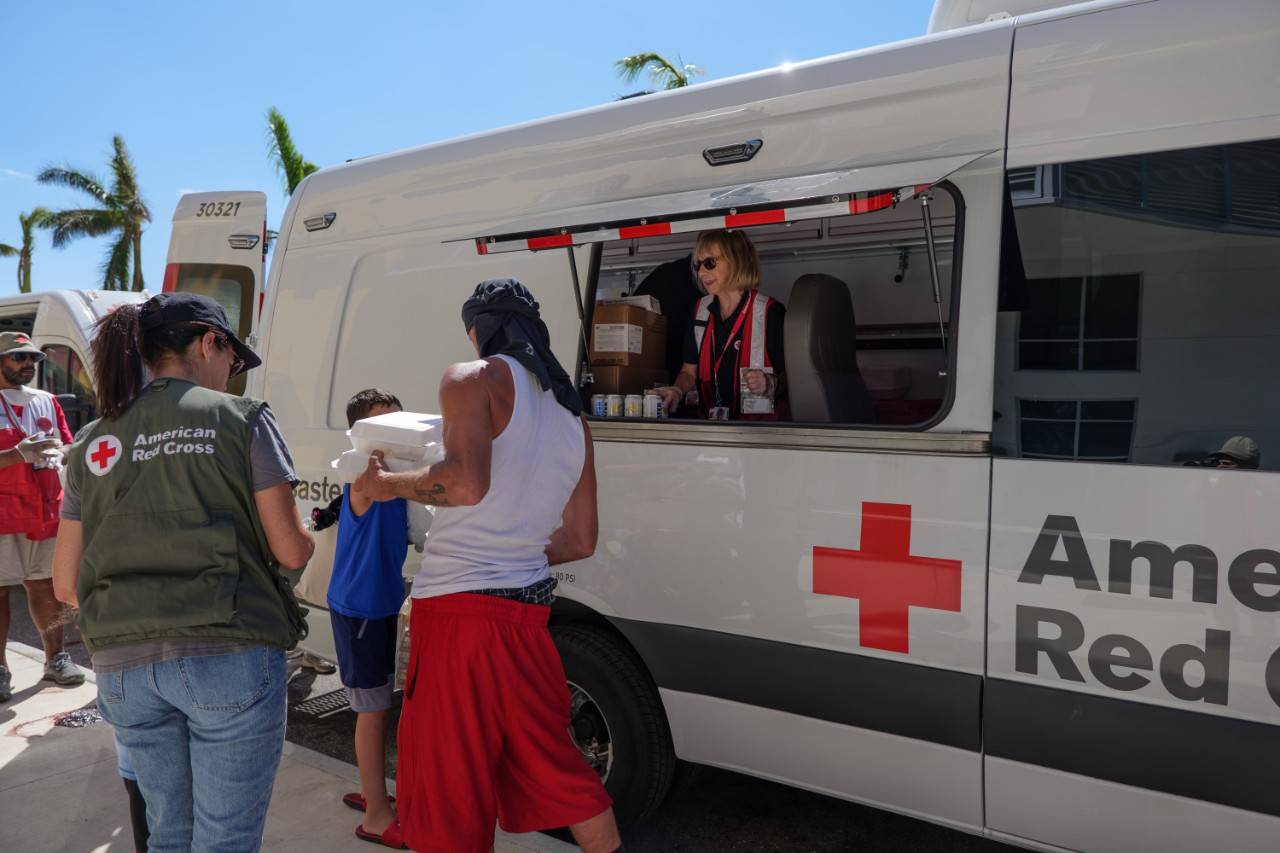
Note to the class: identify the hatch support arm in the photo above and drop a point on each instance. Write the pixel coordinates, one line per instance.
(587, 378)
(927, 216)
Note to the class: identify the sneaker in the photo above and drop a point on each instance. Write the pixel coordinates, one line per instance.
(62, 671)
(306, 660)
(6, 684)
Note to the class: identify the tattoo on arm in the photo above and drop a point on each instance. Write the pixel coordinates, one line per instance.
(435, 496)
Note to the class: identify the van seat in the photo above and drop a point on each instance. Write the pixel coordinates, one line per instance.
(821, 345)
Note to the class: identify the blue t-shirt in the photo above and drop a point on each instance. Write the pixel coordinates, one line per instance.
(367, 582)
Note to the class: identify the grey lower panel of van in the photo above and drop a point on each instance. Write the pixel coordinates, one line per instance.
(909, 700)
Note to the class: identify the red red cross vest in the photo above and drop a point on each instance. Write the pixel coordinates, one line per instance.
(753, 353)
(29, 498)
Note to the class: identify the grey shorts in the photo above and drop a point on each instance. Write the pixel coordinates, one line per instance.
(24, 560)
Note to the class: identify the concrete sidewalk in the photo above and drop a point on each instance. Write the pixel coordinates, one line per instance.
(60, 792)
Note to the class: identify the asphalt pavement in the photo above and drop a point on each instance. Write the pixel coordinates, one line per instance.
(708, 811)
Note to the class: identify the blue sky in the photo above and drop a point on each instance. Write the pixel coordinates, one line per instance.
(188, 85)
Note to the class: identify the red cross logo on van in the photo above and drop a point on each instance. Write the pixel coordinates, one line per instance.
(102, 454)
(885, 578)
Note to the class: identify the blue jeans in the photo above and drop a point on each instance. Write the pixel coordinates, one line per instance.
(204, 735)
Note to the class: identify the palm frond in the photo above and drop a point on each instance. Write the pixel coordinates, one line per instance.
(289, 162)
(662, 71)
(115, 266)
(124, 189)
(7, 251)
(29, 222)
(68, 225)
(85, 182)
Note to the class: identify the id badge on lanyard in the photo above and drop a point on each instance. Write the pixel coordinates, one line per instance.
(721, 412)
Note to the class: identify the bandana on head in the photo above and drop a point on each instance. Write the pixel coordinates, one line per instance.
(505, 317)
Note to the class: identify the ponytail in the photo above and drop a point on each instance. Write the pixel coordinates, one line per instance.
(117, 360)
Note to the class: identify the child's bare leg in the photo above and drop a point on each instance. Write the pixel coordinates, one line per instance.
(371, 759)
(598, 834)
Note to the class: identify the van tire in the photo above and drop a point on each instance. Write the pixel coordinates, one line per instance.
(617, 685)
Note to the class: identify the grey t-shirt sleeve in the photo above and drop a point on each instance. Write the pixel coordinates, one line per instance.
(269, 456)
(70, 501)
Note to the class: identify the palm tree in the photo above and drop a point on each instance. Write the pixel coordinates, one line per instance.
(662, 71)
(29, 222)
(291, 165)
(121, 213)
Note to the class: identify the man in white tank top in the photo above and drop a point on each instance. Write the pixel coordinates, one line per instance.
(484, 730)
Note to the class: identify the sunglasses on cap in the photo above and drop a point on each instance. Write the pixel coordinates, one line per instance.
(709, 263)
(20, 357)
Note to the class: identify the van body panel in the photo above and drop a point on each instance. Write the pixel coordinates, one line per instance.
(908, 776)
(1146, 77)
(932, 97)
(1085, 813)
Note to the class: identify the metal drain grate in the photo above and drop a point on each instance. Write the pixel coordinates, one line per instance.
(324, 705)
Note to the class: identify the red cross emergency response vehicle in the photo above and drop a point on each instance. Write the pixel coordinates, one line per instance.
(1031, 591)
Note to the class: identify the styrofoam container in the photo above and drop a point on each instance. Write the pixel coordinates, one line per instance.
(399, 435)
(351, 464)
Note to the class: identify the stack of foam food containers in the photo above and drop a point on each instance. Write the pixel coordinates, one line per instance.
(408, 440)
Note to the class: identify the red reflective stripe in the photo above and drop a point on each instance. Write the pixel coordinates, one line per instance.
(262, 300)
(869, 204)
(481, 249)
(170, 278)
(658, 229)
(760, 217)
(922, 187)
(550, 242)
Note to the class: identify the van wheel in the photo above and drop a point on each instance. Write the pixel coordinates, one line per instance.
(616, 719)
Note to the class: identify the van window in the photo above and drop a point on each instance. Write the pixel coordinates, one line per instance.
(232, 288)
(1145, 323)
(62, 372)
(864, 339)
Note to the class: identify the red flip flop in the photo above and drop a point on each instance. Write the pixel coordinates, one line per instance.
(356, 801)
(389, 838)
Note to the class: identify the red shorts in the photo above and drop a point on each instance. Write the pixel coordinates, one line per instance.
(484, 732)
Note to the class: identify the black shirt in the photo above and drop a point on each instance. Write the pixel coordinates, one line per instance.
(673, 285)
(727, 377)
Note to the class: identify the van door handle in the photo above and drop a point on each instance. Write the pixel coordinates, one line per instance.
(319, 223)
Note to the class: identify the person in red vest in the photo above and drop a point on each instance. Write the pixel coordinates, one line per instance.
(733, 353)
(32, 429)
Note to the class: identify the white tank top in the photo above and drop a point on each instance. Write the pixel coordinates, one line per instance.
(501, 542)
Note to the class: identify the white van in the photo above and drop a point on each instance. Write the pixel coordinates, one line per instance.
(60, 323)
(1048, 246)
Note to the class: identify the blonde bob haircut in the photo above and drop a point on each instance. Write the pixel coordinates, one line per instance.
(738, 251)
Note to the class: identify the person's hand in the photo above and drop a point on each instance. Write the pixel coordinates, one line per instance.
(38, 449)
(671, 397)
(375, 482)
(757, 382)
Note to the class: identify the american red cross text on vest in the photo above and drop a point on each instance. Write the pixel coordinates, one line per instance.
(885, 578)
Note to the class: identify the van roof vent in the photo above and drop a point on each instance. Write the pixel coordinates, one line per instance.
(953, 14)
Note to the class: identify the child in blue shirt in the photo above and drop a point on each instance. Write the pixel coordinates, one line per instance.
(365, 594)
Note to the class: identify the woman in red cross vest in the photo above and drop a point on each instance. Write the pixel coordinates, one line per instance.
(733, 362)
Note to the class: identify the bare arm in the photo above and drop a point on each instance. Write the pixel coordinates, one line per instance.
(67, 552)
(579, 529)
(462, 477)
(686, 380)
(291, 544)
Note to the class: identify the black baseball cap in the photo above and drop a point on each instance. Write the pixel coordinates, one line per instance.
(171, 309)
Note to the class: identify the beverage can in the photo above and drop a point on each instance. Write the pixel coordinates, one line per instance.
(652, 406)
(599, 407)
(613, 406)
(634, 406)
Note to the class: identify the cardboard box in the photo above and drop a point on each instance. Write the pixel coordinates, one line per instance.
(627, 336)
(648, 303)
(624, 380)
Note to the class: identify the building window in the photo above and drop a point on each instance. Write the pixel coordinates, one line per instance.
(1088, 323)
(1093, 430)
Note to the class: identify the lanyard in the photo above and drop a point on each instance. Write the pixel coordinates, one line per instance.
(744, 309)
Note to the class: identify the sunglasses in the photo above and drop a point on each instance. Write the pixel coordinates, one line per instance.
(709, 263)
(20, 357)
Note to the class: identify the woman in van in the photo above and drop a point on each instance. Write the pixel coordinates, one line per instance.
(177, 516)
(733, 356)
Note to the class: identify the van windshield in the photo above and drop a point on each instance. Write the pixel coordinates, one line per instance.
(231, 287)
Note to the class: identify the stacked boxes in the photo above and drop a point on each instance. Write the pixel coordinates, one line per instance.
(628, 346)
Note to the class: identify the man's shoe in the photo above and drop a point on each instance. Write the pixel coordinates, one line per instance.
(6, 684)
(62, 671)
